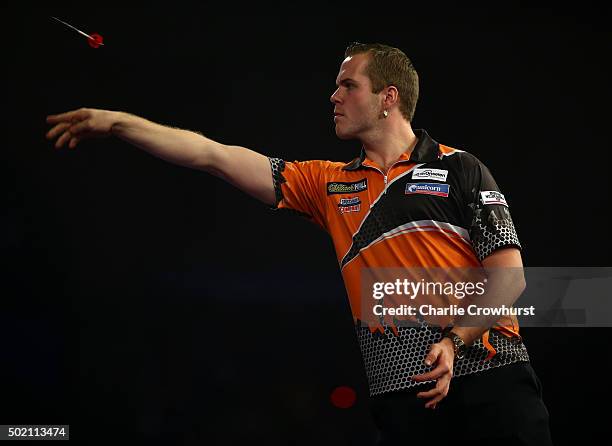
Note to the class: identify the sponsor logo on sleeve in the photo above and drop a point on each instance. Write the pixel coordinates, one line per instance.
(440, 190)
(352, 204)
(493, 197)
(338, 187)
(429, 174)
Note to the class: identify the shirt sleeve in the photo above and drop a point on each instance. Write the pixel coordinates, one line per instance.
(490, 226)
(299, 187)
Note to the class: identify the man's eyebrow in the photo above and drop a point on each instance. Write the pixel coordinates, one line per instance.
(345, 80)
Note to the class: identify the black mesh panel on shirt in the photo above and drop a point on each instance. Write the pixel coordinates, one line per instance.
(278, 165)
(492, 231)
(391, 360)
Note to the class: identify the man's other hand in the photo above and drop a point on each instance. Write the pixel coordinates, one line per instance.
(441, 356)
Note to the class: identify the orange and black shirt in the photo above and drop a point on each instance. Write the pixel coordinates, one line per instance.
(437, 207)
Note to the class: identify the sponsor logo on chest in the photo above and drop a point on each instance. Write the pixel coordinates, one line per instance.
(493, 197)
(429, 174)
(352, 204)
(340, 187)
(440, 190)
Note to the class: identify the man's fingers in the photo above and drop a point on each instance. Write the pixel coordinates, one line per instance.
(62, 117)
(73, 142)
(63, 139)
(66, 117)
(80, 127)
(440, 387)
(437, 394)
(429, 394)
(424, 377)
(431, 359)
(441, 392)
(433, 354)
(432, 404)
(436, 373)
(59, 128)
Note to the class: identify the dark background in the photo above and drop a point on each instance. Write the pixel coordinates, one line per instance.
(155, 302)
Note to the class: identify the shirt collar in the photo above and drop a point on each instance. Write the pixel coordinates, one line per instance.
(425, 151)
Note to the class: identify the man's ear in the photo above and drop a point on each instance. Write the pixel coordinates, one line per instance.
(391, 96)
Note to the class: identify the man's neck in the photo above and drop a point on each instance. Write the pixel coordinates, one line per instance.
(387, 145)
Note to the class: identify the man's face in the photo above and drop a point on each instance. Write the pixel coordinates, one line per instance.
(356, 108)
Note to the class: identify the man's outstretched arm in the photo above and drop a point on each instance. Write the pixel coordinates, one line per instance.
(249, 171)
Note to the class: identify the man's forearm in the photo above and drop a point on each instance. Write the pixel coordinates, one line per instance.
(504, 286)
(182, 147)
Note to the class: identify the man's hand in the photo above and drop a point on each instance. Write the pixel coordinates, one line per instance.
(442, 356)
(74, 126)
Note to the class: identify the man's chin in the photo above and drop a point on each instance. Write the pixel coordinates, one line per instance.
(344, 135)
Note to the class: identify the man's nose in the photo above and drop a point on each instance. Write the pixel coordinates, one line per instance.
(334, 97)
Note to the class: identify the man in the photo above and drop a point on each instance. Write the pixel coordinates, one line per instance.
(406, 201)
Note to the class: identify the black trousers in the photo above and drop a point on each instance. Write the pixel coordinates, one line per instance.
(503, 404)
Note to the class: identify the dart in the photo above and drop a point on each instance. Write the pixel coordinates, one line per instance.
(94, 41)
